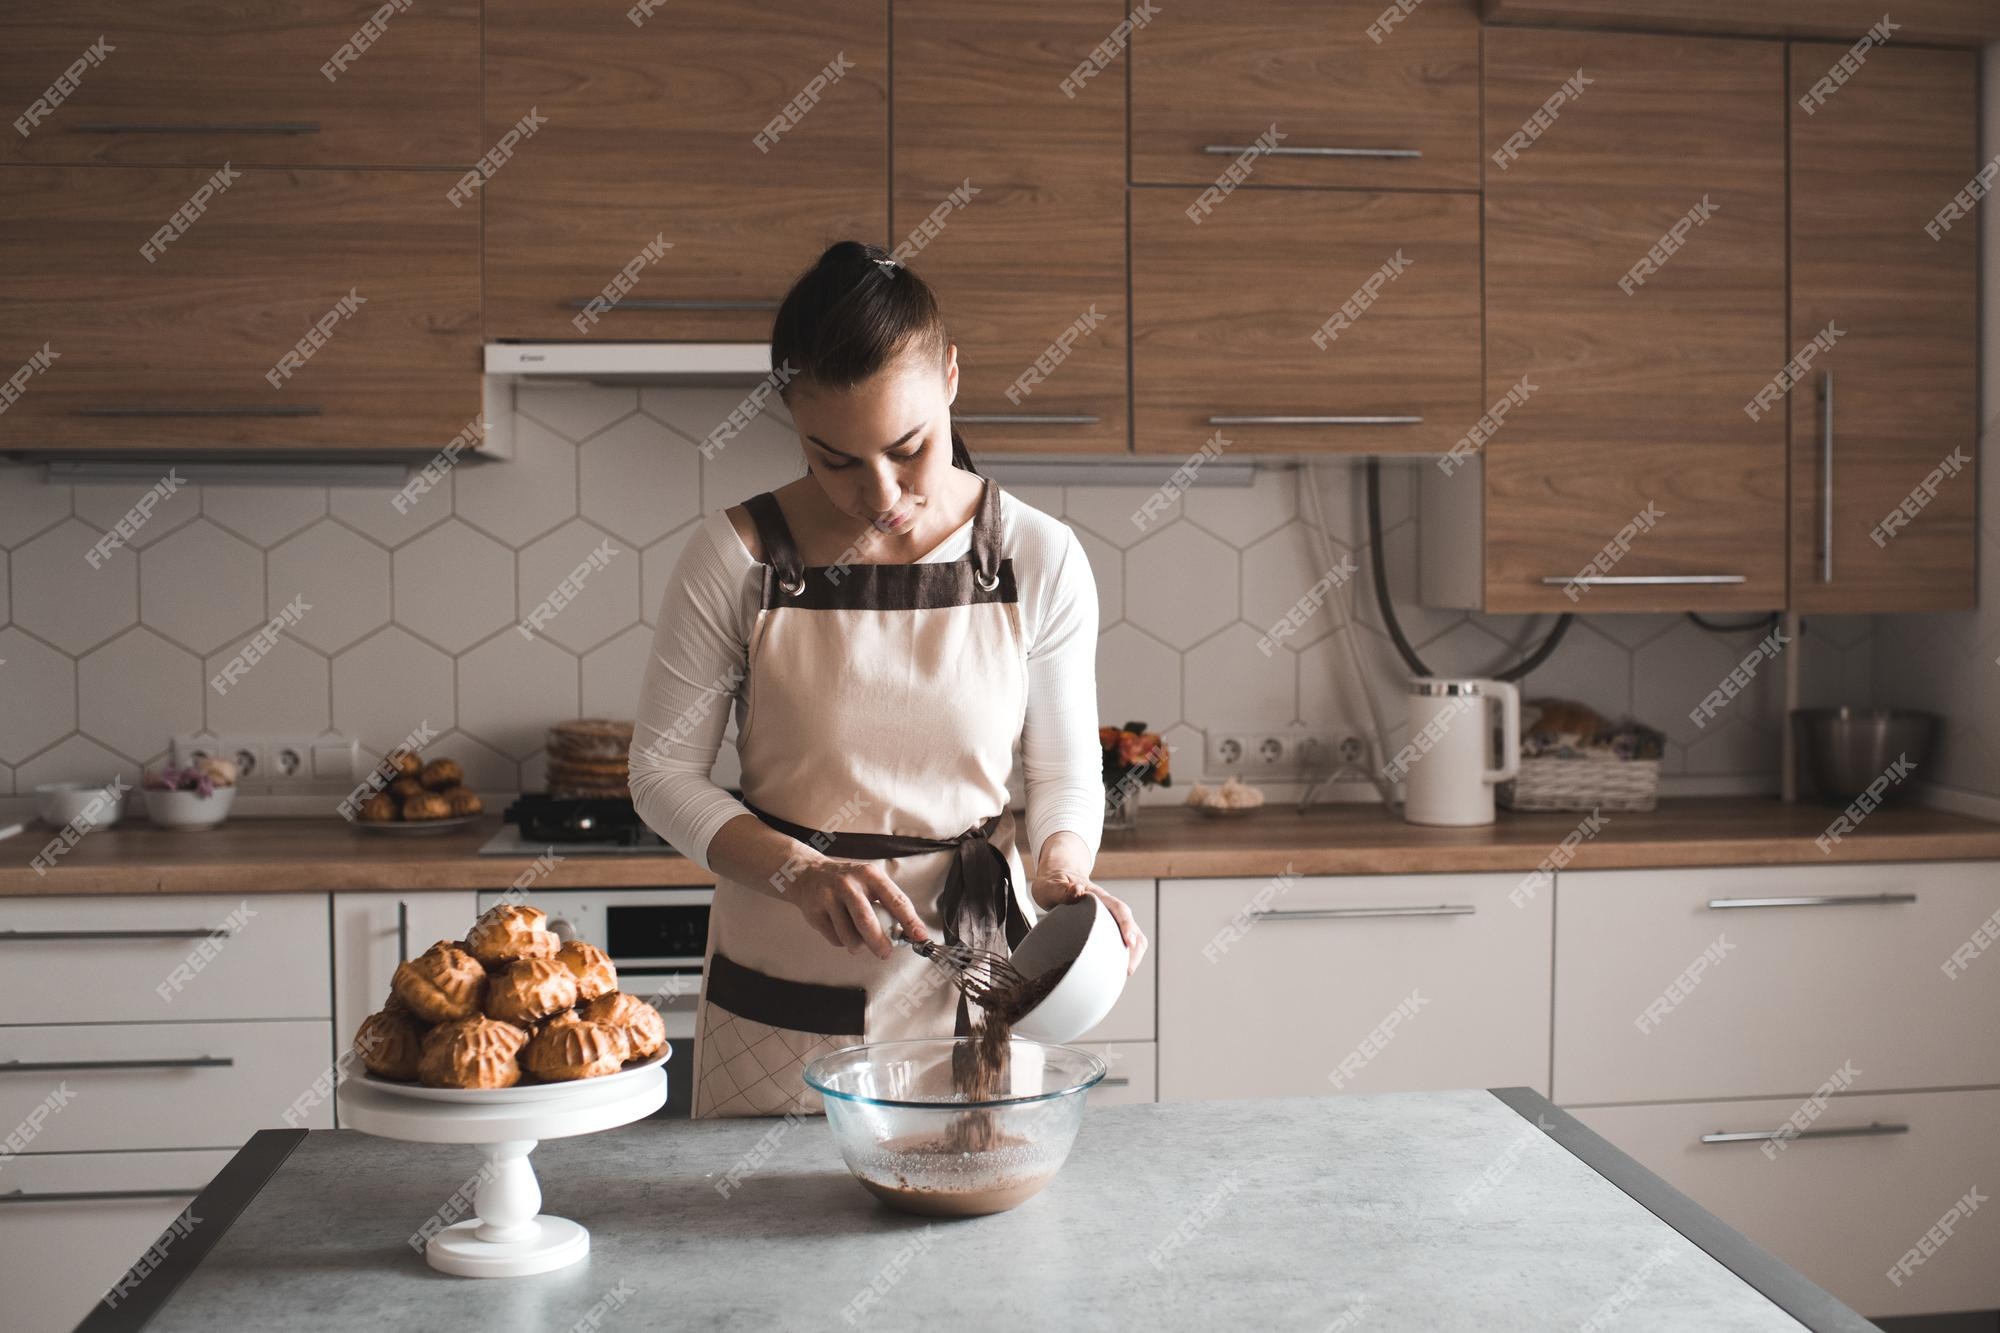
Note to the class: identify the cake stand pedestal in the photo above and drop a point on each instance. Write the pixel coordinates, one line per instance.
(508, 1236)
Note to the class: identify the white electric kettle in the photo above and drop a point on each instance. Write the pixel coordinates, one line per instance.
(1448, 777)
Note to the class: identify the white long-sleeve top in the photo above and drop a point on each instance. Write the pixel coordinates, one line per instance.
(701, 645)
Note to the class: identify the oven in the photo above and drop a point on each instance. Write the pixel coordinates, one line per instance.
(656, 939)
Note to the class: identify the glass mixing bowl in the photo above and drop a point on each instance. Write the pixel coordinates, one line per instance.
(918, 1143)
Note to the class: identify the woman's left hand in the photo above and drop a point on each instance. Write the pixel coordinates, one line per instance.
(1052, 888)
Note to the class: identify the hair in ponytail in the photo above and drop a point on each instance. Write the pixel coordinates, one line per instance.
(852, 313)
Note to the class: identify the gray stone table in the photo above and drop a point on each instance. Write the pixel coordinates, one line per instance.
(1418, 1211)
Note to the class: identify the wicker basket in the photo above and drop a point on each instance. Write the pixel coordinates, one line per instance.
(1593, 782)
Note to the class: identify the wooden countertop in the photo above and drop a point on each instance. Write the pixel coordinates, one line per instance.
(326, 855)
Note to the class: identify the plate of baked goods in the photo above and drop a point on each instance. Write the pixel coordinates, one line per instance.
(405, 794)
(508, 1014)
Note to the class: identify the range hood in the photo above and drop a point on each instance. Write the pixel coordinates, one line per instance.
(686, 364)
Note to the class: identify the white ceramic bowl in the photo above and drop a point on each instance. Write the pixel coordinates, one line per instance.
(60, 804)
(187, 809)
(1084, 935)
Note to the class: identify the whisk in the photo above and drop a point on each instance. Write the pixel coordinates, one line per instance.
(983, 975)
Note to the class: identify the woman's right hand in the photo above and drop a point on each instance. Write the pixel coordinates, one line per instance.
(837, 899)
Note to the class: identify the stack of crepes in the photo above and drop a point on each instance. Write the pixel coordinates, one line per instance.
(510, 1002)
(587, 758)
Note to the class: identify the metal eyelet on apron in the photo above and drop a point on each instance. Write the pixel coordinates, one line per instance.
(794, 589)
(987, 584)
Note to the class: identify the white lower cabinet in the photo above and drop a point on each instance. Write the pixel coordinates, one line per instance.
(1323, 985)
(1762, 981)
(1845, 1202)
(1134, 1018)
(60, 1255)
(372, 932)
(1131, 1075)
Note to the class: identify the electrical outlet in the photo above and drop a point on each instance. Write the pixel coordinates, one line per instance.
(1270, 754)
(277, 763)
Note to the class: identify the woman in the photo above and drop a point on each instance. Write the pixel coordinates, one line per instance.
(887, 627)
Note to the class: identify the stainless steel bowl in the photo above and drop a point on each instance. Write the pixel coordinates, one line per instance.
(1845, 750)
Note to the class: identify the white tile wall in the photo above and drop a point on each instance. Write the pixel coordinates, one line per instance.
(412, 615)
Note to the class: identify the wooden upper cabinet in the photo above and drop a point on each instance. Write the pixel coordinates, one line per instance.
(745, 136)
(250, 82)
(329, 310)
(1356, 103)
(1635, 278)
(1872, 167)
(1943, 22)
(1011, 200)
(1321, 320)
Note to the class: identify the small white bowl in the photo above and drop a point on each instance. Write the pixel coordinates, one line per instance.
(1083, 934)
(188, 809)
(60, 804)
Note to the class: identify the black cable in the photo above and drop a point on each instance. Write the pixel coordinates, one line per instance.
(1761, 622)
(1395, 628)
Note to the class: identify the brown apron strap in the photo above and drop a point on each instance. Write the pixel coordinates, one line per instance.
(781, 553)
(986, 534)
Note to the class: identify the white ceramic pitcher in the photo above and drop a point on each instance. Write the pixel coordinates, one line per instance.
(1448, 778)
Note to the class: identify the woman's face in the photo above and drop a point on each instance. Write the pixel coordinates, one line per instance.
(881, 449)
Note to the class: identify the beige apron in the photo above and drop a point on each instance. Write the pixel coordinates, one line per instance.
(882, 703)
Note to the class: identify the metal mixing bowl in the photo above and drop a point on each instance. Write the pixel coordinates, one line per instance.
(1846, 749)
(892, 1107)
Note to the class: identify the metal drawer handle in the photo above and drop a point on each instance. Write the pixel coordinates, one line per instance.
(1315, 421)
(1023, 419)
(74, 1066)
(1817, 900)
(199, 127)
(189, 933)
(288, 410)
(89, 1196)
(402, 931)
(1120, 1082)
(665, 303)
(1636, 580)
(1770, 1135)
(1232, 150)
(1339, 913)
(1826, 477)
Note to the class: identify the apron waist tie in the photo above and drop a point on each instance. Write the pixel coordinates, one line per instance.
(977, 902)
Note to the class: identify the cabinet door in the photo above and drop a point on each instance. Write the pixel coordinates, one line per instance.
(1132, 1019)
(1639, 380)
(60, 1255)
(747, 136)
(292, 82)
(1718, 991)
(1358, 104)
(1239, 325)
(1390, 983)
(1871, 167)
(309, 310)
(1131, 1074)
(1040, 248)
(371, 932)
(1845, 1201)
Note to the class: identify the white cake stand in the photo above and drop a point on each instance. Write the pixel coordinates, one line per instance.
(509, 1236)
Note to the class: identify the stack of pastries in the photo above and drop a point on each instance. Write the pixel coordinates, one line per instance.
(509, 1003)
(418, 790)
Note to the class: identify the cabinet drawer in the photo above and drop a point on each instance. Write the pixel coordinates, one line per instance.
(1327, 74)
(207, 346)
(715, 127)
(1277, 1005)
(59, 1256)
(236, 1078)
(1780, 996)
(1846, 1208)
(1224, 317)
(158, 958)
(1132, 1018)
(1134, 1072)
(186, 82)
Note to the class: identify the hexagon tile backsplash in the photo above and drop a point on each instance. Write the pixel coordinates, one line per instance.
(412, 613)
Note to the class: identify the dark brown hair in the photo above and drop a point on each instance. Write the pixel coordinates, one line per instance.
(852, 313)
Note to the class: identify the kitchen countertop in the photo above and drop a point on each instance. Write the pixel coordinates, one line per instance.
(1413, 1211)
(325, 855)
